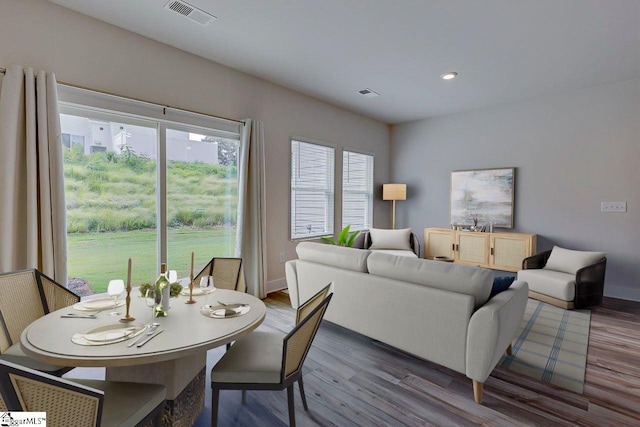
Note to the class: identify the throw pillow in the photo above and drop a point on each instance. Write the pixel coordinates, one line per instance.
(501, 284)
(390, 239)
(568, 261)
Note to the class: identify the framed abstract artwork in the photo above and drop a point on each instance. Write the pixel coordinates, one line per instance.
(482, 197)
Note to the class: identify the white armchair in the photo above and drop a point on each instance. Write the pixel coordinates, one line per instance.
(565, 278)
(395, 242)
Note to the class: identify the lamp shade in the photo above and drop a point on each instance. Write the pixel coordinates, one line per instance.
(394, 192)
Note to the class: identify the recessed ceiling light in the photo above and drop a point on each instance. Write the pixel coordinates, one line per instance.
(450, 75)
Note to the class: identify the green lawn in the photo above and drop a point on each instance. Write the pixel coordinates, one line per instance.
(100, 257)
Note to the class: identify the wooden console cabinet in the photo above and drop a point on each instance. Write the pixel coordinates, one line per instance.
(499, 251)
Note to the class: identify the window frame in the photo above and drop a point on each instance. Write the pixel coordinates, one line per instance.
(371, 201)
(70, 102)
(332, 215)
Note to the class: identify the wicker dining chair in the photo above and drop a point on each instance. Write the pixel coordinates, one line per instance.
(302, 312)
(268, 361)
(227, 273)
(307, 307)
(83, 403)
(26, 296)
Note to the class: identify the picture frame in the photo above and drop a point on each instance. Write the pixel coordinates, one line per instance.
(482, 197)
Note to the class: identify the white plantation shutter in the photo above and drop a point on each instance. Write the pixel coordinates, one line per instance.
(312, 171)
(357, 190)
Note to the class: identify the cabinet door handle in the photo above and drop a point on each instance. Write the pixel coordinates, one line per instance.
(453, 247)
(492, 251)
(457, 247)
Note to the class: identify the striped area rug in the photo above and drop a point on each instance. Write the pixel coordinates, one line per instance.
(551, 345)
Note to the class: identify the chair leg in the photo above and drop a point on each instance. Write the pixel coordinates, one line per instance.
(292, 406)
(215, 396)
(304, 398)
(244, 397)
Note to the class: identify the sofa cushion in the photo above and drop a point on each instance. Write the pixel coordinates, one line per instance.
(462, 279)
(397, 252)
(335, 256)
(555, 284)
(390, 239)
(568, 261)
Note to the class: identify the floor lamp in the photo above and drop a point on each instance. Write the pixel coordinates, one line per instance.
(394, 192)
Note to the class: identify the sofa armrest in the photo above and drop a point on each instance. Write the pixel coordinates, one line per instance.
(415, 244)
(492, 329)
(291, 275)
(359, 242)
(590, 284)
(536, 262)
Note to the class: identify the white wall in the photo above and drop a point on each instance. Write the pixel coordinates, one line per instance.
(572, 151)
(88, 52)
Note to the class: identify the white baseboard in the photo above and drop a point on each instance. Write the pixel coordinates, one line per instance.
(276, 285)
(622, 293)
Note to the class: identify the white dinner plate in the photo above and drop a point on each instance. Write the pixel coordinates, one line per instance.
(109, 332)
(98, 304)
(196, 291)
(225, 311)
(135, 328)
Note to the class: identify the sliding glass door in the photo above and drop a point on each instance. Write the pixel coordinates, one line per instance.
(202, 187)
(144, 189)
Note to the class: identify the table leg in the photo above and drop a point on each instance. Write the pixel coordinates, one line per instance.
(185, 382)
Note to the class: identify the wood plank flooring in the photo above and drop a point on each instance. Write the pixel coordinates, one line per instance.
(351, 380)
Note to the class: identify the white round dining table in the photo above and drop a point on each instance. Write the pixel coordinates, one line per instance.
(175, 358)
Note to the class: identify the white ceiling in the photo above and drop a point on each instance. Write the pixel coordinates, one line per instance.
(503, 50)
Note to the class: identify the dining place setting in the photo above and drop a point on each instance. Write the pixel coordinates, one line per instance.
(157, 298)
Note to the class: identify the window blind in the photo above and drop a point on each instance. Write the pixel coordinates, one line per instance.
(357, 190)
(312, 189)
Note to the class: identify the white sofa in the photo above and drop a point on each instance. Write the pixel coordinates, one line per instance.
(434, 310)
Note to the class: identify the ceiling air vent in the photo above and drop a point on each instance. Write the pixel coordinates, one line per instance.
(368, 93)
(189, 11)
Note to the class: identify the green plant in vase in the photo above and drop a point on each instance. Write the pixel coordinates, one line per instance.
(174, 290)
(344, 238)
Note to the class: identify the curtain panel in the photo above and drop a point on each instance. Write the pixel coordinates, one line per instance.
(32, 213)
(251, 231)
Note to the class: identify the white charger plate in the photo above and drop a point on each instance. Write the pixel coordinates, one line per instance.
(98, 304)
(108, 334)
(224, 311)
(196, 291)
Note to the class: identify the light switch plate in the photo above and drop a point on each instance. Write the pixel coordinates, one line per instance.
(613, 207)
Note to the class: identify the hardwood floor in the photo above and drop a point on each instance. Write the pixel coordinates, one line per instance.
(351, 380)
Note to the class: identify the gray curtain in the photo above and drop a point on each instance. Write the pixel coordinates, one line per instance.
(251, 238)
(32, 213)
